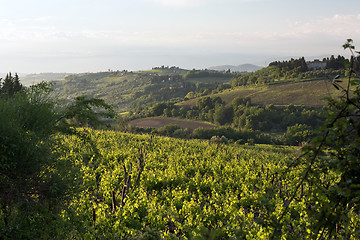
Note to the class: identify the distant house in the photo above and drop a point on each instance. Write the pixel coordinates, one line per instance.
(316, 65)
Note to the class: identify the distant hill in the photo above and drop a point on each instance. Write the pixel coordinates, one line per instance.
(30, 79)
(136, 90)
(239, 68)
(21, 75)
(133, 92)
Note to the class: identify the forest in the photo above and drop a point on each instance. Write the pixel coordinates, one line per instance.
(74, 169)
(295, 122)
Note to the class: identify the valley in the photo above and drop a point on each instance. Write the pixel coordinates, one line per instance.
(171, 153)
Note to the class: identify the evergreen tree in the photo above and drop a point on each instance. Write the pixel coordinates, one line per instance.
(17, 86)
(6, 87)
(10, 86)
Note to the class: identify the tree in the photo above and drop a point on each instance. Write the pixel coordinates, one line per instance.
(88, 111)
(209, 102)
(241, 101)
(16, 83)
(223, 114)
(297, 134)
(158, 109)
(331, 164)
(10, 86)
(32, 180)
(27, 123)
(335, 63)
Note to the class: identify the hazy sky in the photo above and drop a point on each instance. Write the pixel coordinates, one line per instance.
(88, 35)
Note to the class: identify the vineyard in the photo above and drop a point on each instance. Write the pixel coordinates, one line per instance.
(126, 186)
(61, 178)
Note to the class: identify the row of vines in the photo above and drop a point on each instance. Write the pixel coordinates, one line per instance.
(148, 187)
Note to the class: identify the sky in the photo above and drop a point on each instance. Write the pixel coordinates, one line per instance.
(74, 36)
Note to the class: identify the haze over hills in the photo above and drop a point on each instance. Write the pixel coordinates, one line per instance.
(132, 91)
(34, 78)
(239, 68)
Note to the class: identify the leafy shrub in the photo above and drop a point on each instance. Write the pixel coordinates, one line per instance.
(219, 140)
(168, 130)
(297, 134)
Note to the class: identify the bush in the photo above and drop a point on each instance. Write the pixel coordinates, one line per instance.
(27, 122)
(27, 168)
(168, 130)
(33, 182)
(181, 133)
(297, 134)
(233, 134)
(219, 140)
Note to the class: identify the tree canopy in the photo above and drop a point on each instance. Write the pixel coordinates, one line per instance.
(10, 85)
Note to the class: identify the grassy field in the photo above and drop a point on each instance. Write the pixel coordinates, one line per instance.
(208, 80)
(158, 122)
(308, 93)
(166, 71)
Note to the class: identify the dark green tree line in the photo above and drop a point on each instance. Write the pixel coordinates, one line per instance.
(10, 85)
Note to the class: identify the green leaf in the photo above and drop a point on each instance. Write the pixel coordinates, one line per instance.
(347, 63)
(335, 86)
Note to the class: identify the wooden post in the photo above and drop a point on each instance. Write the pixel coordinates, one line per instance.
(113, 201)
(280, 187)
(93, 216)
(123, 194)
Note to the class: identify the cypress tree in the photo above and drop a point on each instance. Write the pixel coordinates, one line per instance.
(17, 86)
(7, 86)
(10, 86)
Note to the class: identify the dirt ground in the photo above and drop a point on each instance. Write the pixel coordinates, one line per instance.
(158, 122)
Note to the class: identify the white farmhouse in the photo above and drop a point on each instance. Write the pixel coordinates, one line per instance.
(316, 65)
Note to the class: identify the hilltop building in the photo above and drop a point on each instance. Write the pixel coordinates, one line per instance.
(316, 65)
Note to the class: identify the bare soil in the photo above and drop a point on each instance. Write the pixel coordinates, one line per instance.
(158, 122)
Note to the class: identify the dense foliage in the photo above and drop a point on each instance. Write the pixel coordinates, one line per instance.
(10, 85)
(298, 64)
(135, 91)
(207, 73)
(31, 179)
(292, 70)
(144, 187)
(140, 186)
(84, 111)
(58, 181)
(294, 122)
(27, 121)
(331, 163)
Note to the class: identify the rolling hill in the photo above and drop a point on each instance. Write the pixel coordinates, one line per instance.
(30, 79)
(239, 68)
(124, 89)
(308, 93)
(134, 92)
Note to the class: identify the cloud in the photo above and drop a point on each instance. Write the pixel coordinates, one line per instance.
(13, 22)
(176, 3)
(29, 29)
(36, 37)
(191, 3)
(337, 26)
(319, 36)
